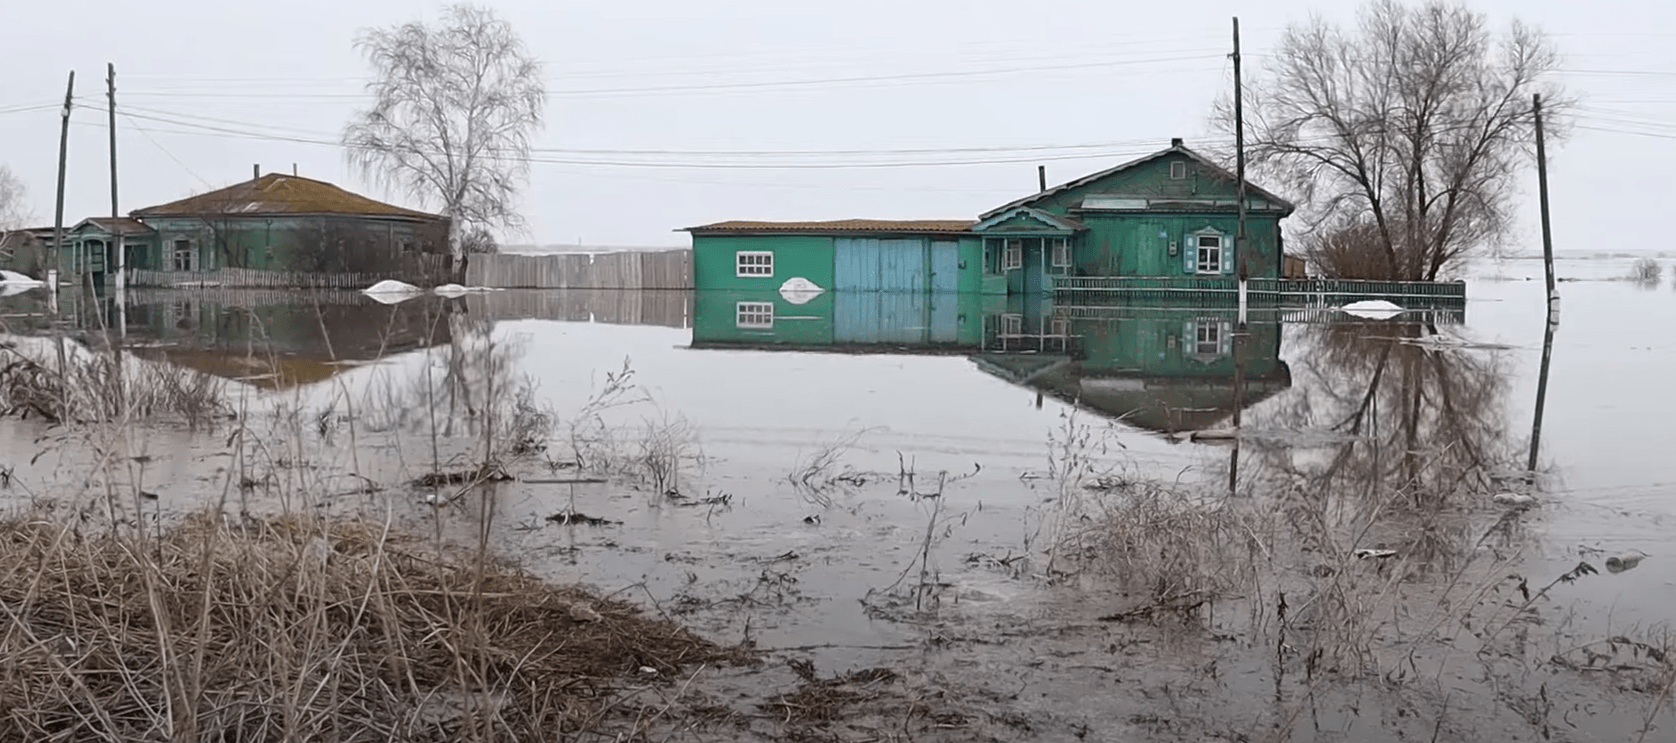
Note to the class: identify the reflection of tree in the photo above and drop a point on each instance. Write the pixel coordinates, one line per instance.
(1418, 418)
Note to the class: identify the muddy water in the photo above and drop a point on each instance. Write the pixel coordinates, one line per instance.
(1358, 434)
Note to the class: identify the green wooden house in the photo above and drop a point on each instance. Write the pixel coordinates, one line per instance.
(1173, 213)
(271, 223)
(280, 222)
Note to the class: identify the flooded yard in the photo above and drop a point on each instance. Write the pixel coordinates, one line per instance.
(959, 518)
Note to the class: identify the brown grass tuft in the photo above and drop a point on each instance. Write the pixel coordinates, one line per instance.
(299, 628)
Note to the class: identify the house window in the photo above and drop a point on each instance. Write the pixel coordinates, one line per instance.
(1061, 253)
(1061, 327)
(754, 314)
(183, 256)
(1013, 258)
(754, 263)
(1210, 253)
(1178, 170)
(1209, 337)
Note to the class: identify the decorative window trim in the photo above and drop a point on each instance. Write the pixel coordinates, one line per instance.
(1012, 258)
(1061, 253)
(754, 264)
(1012, 325)
(1201, 265)
(1178, 170)
(183, 255)
(753, 314)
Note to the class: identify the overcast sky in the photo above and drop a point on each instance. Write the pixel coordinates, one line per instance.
(206, 89)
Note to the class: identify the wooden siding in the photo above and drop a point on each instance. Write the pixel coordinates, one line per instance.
(669, 269)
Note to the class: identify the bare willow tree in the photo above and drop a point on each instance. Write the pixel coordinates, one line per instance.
(14, 207)
(454, 108)
(1402, 135)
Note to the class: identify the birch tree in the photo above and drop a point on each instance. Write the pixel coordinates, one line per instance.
(14, 207)
(1403, 135)
(454, 108)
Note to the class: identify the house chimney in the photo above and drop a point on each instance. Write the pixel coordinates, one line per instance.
(1041, 177)
(1175, 141)
(255, 171)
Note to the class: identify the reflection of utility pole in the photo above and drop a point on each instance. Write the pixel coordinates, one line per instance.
(1239, 174)
(1541, 390)
(1239, 406)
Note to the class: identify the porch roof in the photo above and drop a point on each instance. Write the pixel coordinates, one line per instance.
(1029, 221)
(119, 226)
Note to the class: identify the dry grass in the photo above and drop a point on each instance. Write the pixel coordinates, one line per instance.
(297, 628)
(73, 384)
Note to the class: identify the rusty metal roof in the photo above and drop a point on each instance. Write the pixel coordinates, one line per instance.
(279, 194)
(917, 226)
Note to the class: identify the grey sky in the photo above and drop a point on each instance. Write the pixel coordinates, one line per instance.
(672, 78)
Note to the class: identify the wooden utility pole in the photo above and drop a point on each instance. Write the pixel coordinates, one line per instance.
(1041, 178)
(63, 152)
(1239, 173)
(116, 232)
(1542, 190)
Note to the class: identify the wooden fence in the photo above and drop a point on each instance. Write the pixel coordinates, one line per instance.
(667, 269)
(1219, 290)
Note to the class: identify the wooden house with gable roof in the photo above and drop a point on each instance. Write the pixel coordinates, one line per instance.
(1170, 214)
(278, 223)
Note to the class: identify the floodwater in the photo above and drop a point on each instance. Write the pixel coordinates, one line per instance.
(948, 488)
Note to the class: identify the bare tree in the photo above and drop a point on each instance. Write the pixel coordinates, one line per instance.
(1404, 134)
(14, 208)
(454, 108)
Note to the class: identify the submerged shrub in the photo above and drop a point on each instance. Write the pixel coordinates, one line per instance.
(1646, 271)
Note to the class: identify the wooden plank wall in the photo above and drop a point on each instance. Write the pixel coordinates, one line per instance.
(666, 269)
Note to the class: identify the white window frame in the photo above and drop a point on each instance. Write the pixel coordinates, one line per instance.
(754, 264)
(1178, 170)
(1061, 253)
(1207, 331)
(1012, 257)
(753, 314)
(176, 252)
(1199, 254)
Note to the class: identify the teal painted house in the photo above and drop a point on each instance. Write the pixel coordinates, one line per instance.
(1173, 213)
(271, 223)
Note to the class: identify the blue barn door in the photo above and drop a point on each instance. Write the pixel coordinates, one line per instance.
(945, 266)
(872, 264)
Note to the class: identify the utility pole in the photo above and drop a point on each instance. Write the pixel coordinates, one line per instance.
(121, 241)
(1041, 178)
(1547, 234)
(1239, 175)
(63, 151)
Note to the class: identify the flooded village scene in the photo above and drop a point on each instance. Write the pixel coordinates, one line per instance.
(862, 372)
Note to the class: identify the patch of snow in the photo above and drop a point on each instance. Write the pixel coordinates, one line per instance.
(390, 286)
(13, 277)
(10, 290)
(798, 290)
(1373, 309)
(450, 290)
(1513, 500)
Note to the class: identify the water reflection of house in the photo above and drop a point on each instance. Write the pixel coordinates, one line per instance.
(1165, 370)
(906, 322)
(278, 345)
